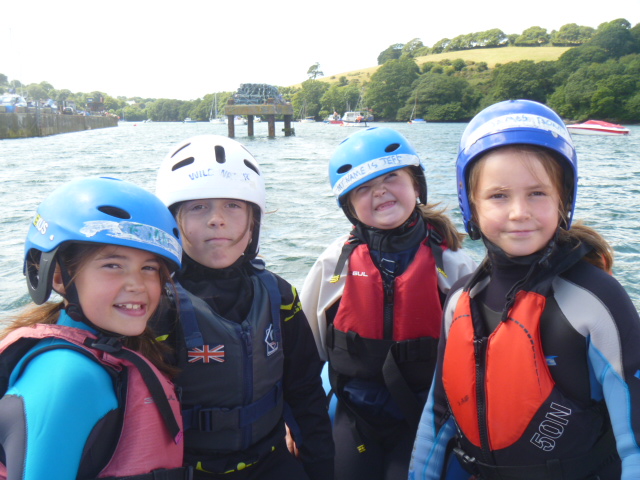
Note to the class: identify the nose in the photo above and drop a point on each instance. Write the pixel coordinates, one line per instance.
(379, 189)
(519, 209)
(135, 283)
(216, 217)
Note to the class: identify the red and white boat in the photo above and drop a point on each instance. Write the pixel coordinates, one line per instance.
(597, 127)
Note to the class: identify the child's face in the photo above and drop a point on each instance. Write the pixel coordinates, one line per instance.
(387, 201)
(516, 203)
(215, 231)
(119, 288)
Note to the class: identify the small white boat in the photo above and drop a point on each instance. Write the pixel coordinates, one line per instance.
(308, 120)
(417, 121)
(354, 119)
(237, 120)
(188, 120)
(597, 127)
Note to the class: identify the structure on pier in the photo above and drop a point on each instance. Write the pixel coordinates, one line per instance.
(259, 99)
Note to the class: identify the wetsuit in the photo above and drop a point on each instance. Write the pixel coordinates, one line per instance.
(372, 433)
(575, 383)
(234, 299)
(61, 414)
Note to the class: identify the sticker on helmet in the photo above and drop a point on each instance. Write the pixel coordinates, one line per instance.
(369, 169)
(515, 121)
(136, 232)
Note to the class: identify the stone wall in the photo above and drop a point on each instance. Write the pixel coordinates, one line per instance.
(29, 122)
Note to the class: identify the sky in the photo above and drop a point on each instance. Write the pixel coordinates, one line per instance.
(187, 49)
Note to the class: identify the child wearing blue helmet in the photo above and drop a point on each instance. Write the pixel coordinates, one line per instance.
(83, 385)
(538, 360)
(374, 301)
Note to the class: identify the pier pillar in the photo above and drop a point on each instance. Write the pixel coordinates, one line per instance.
(270, 110)
(231, 126)
(250, 125)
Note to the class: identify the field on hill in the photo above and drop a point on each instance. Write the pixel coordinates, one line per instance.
(491, 56)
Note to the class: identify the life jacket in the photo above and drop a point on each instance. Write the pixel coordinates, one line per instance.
(242, 363)
(507, 405)
(403, 359)
(151, 436)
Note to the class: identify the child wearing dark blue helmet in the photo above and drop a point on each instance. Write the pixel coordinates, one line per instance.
(538, 360)
(374, 301)
(81, 379)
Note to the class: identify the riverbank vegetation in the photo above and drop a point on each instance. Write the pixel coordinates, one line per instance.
(579, 71)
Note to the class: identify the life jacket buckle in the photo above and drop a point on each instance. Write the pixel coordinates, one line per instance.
(467, 462)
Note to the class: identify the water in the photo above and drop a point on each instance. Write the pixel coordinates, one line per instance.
(304, 216)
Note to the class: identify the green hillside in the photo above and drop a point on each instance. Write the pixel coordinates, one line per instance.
(491, 56)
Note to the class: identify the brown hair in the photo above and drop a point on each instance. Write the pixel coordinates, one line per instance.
(430, 212)
(602, 253)
(74, 257)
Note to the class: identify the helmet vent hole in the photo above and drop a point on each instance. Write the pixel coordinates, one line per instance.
(115, 212)
(220, 155)
(251, 166)
(392, 147)
(345, 168)
(182, 163)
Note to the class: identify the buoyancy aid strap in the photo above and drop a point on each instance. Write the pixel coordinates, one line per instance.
(411, 350)
(435, 241)
(275, 298)
(192, 335)
(182, 473)
(153, 384)
(347, 249)
(575, 468)
(210, 419)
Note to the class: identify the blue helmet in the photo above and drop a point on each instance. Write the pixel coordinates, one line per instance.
(368, 154)
(97, 210)
(514, 122)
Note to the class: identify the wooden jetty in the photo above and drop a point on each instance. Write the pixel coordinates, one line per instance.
(268, 110)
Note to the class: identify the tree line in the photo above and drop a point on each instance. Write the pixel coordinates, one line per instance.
(599, 77)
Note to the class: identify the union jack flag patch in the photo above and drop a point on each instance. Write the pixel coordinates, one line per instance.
(206, 353)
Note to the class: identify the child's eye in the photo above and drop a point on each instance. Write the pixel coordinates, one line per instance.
(151, 268)
(111, 266)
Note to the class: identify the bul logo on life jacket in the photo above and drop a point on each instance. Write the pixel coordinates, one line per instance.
(206, 354)
(272, 344)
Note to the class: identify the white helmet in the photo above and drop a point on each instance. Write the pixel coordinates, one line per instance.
(211, 166)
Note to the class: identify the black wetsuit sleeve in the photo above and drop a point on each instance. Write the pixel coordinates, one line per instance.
(303, 391)
(13, 435)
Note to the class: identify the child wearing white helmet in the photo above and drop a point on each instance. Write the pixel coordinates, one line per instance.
(83, 393)
(374, 300)
(247, 356)
(538, 364)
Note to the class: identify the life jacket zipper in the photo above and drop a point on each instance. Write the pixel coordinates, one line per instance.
(480, 351)
(389, 298)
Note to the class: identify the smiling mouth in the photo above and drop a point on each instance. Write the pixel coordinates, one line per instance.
(385, 205)
(129, 306)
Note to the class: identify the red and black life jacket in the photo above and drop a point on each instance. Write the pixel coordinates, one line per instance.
(357, 345)
(151, 435)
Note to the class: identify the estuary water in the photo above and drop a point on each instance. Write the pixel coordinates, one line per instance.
(303, 215)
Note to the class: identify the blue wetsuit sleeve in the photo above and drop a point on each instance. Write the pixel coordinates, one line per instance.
(64, 394)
